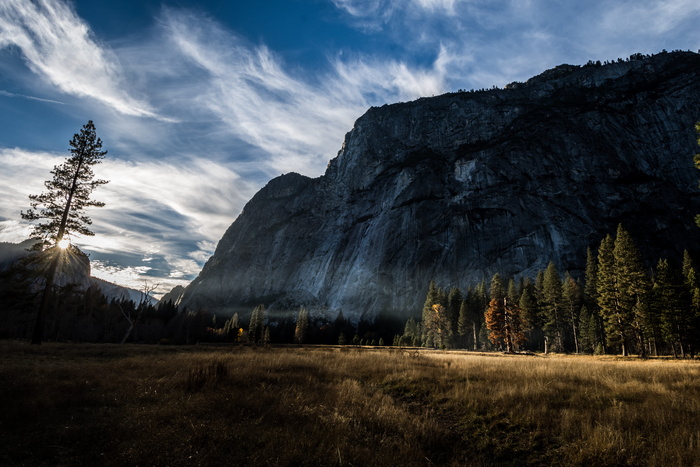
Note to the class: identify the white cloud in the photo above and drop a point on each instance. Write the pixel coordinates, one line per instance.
(134, 277)
(506, 40)
(58, 46)
(297, 121)
(34, 98)
(649, 18)
(444, 6)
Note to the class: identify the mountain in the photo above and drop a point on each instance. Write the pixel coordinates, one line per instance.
(460, 186)
(75, 271)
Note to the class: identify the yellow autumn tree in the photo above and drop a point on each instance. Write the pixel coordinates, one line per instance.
(506, 324)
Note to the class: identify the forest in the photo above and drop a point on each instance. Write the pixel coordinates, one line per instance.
(618, 307)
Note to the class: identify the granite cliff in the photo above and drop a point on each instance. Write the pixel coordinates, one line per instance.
(458, 187)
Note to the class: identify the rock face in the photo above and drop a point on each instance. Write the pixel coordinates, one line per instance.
(458, 187)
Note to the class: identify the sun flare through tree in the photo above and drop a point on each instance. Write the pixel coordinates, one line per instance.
(61, 208)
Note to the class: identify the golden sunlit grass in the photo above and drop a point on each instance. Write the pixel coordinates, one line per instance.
(138, 405)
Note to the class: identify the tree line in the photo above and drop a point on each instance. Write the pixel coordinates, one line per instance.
(618, 306)
(75, 314)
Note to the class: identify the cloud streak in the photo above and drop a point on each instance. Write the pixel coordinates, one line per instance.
(58, 46)
(33, 98)
(496, 42)
(296, 121)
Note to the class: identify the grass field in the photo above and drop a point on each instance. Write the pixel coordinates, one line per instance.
(66, 404)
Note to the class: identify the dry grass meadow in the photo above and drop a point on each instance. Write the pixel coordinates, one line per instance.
(71, 404)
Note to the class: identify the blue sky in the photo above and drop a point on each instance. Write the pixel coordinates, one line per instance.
(200, 103)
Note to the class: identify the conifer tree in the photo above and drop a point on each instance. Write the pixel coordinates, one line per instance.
(590, 299)
(495, 318)
(553, 313)
(668, 303)
(539, 287)
(231, 326)
(440, 326)
(530, 309)
(572, 298)
(463, 323)
(454, 301)
(302, 326)
(478, 302)
(497, 290)
(431, 299)
(632, 284)
(505, 324)
(256, 328)
(688, 266)
(590, 293)
(512, 291)
(411, 331)
(615, 323)
(62, 209)
(503, 318)
(586, 330)
(692, 294)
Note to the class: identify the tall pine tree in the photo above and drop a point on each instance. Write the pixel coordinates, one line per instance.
(256, 328)
(595, 328)
(431, 299)
(302, 326)
(668, 301)
(553, 310)
(632, 285)
(572, 298)
(608, 303)
(61, 209)
(530, 309)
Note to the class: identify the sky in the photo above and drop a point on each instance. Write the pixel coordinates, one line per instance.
(201, 103)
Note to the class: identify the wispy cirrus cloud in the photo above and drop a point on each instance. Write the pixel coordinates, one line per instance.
(297, 120)
(33, 98)
(495, 42)
(58, 46)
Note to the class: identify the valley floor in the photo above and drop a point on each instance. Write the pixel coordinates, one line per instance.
(85, 404)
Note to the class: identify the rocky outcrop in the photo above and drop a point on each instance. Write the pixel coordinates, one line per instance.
(73, 270)
(175, 295)
(458, 187)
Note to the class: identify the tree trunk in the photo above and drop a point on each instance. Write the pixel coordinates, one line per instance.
(624, 345)
(642, 348)
(509, 339)
(573, 325)
(475, 336)
(128, 332)
(38, 333)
